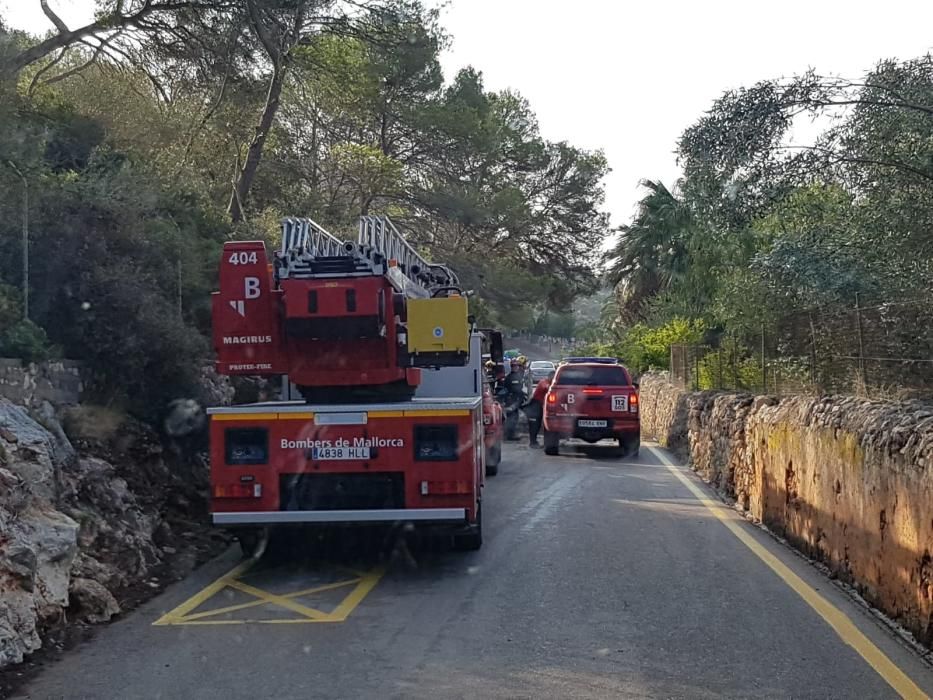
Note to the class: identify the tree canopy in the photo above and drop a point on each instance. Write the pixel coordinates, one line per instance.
(767, 237)
(147, 138)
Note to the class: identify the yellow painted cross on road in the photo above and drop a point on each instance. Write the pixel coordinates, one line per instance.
(249, 594)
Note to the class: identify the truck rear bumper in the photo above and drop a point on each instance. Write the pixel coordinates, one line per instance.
(281, 517)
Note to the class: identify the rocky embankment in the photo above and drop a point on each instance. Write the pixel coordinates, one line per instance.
(97, 512)
(848, 481)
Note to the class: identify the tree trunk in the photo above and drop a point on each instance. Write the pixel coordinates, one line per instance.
(254, 154)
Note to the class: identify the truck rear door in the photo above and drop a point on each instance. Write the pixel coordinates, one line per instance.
(593, 392)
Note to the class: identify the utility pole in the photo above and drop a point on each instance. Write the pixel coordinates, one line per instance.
(25, 238)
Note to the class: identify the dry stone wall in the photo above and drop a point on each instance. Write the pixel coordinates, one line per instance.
(26, 384)
(848, 481)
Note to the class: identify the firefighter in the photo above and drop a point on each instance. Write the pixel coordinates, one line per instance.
(490, 367)
(534, 409)
(515, 379)
(511, 395)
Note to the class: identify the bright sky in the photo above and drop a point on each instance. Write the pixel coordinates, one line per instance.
(629, 77)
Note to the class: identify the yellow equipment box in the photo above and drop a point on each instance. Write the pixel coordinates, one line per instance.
(438, 330)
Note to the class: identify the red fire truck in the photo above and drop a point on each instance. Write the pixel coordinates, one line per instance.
(380, 418)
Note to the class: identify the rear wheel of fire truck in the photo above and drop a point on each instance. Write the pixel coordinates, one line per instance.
(630, 445)
(253, 542)
(551, 443)
(493, 457)
(472, 540)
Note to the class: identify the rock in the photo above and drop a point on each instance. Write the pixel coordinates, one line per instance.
(34, 454)
(185, 417)
(75, 528)
(91, 602)
(44, 413)
(19, 634)
(69, 528)
(21, 562)
(36, 554)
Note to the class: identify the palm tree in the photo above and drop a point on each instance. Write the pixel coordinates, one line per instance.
(652, 252)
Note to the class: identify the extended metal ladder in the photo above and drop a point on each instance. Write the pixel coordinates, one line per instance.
(309, 250)
(378, 233)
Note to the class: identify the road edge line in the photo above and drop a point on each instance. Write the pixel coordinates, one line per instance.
(847, 631)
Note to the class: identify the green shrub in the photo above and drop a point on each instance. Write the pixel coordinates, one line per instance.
(642, 347)
(26, 341)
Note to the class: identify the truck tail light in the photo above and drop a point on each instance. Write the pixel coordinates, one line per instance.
(633, 403)
(552, 398)
(238, 491)
(446, 488)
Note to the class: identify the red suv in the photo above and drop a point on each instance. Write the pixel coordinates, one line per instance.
(592, 399)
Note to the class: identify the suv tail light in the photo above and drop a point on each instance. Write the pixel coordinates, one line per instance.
(633, 403)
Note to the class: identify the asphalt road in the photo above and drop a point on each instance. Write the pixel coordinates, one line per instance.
(599, 577)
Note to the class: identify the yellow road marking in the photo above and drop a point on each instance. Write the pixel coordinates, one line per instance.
(368, 582)
(277, 600)
(263, 601)
(363, 583)
(203, 595)
(834, 617)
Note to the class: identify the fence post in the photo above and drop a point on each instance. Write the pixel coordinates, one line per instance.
(696, 367)
(735, 368)
(812, 350)
(719, 367)
(685, 365)
(764, 364)
(861, 343)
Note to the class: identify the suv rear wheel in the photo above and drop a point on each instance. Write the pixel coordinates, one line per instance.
(551, 443)
(630, 445)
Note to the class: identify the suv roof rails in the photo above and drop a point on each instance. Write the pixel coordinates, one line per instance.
(599, 360)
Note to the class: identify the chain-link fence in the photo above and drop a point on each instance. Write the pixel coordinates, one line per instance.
(881, 349)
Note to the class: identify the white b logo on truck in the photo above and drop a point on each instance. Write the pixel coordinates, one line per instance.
(251, 287)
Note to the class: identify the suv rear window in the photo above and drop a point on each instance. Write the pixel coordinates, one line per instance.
(587, 375)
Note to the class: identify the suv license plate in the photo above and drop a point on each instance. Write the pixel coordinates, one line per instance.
(341, 453)
(585, 423)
